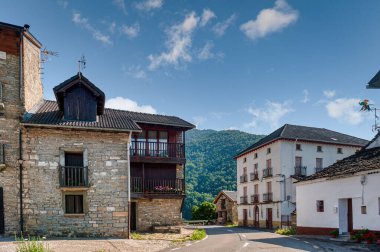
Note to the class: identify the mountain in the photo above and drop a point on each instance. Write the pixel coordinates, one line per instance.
(210, 166)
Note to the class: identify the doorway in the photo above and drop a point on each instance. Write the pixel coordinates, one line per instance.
(245, 217)
(345, 215)
(133, 216)
(2, 224)
(256, 223)
(349, 215)
(269, 218)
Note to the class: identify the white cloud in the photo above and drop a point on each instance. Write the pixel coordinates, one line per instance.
(121, 5)
(198, 120)
(207, 15)
(130, 105)
(269, 115)
(221, 27)
(178, 43)
(149, 5)
(205, 53)
(83, 22)
(345, 110)
(63, 3)
(329, 93)
(135, 71)
(112, 27)
(270, 20)
(131, 31)
(305, 96)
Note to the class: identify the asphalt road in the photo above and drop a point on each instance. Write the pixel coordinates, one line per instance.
(224, 239)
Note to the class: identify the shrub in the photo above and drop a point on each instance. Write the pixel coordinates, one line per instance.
(136, 236)
(335, 233)
(32, 244)
(198, 234)
(286, 231)
(205, 211)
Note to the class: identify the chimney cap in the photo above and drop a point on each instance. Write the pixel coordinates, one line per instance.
(26, 26)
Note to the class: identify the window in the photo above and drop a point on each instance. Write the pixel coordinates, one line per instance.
(269, 187)
(379, 206)
(256, 168)
(244, 170)
(74, 204)
(269, 163)
(2, 155)
(339, 151)
(298, 161)
(298, 147)
(269, 151)
(255, 155)
(319, 148)
(319, 163)
(74, 174)
(320, 206)
(244, 160)
(256, 189)
(223, 203)
(364, 209)
(245, 191)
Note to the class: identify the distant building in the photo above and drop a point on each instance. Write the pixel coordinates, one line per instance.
(267, 169)
(344, 196)
(64, 164)
(226, 207)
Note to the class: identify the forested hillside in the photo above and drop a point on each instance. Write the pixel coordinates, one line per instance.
(210, 165)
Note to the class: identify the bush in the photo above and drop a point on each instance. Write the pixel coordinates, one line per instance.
(286, 231)
(198, 234)
(205, 211)
(136, 236)
(335, 233)
(33, 244)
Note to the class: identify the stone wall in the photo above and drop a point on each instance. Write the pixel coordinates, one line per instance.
(230, 211)
(32, 89)
(105, 207)
(157, 212)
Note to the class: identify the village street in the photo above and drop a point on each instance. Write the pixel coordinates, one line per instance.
(225, 239)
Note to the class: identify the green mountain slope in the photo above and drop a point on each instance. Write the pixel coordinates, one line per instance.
(210, 166)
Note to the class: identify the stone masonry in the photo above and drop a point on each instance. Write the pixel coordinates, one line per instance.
(105, 201)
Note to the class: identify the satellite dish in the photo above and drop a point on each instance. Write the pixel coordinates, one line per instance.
(363, 179)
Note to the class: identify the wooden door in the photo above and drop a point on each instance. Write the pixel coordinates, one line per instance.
(257, 216)
(349, 215)
(2, 224)
(133, 215)
(269, 218)
(245, 217)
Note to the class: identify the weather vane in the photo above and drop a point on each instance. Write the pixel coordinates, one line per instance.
(81, 63)
(366, 106)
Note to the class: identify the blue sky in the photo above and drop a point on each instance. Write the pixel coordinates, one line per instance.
(221, 64)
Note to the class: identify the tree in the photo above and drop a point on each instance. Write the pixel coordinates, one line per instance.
(205, 211)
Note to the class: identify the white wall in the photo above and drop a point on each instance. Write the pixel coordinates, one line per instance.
(330, 191)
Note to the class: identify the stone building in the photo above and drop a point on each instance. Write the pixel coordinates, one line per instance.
(226, 207)
(65, 163)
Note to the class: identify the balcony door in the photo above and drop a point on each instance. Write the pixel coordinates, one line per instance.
(298, 161)
(256, 223)
(269, 218)
(74, 171)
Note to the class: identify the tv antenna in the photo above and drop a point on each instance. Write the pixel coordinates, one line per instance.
(366, 106)
(45, 56)
(81, 64)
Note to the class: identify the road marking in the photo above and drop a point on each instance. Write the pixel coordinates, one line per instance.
(175, 248)
(315, 246)
(229, 230)
(245, 244)
(306, 242)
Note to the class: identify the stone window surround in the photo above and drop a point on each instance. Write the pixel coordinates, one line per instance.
(74, 191)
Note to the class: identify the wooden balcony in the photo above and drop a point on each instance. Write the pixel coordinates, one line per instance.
(157, 152)
(73, 176)
(267, 197)
(255, 198)
(254, 176)
(267, 172)
(144, 187)
(300, 170)
(243, 178)
(244, 199)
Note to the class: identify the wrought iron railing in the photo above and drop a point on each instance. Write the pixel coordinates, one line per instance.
(73, 176)
(300, 170)
(255, 198)
(157, 186)
(267, 197)
(243, 178)
(267, 172)
(254, 176)
(243, 199)
(157, 149)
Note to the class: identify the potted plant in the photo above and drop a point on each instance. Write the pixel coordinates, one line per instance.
(369, 237)
(334, 233)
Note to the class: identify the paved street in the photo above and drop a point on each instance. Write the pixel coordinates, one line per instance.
(243, 239)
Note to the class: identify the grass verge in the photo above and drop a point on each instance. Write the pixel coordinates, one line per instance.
(32, 244)
(286, 231)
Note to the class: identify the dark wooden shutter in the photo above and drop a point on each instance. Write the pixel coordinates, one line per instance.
(2, 225)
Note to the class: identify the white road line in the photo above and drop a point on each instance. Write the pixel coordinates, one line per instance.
(315, 246)
(306, 242)
(175, 248)
(229, 230)
(245, 244)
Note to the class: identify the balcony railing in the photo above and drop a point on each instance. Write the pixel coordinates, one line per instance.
(255, 198)
(157, 149)
(267, 197)
(254, 176)
(318, 169)
(300, 170)
(243, 199)
(267, 172)
(73, 176)
(157, 186)
(243, 178)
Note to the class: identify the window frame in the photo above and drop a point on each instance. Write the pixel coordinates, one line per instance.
(255, 155)
(320, 204)
(339, 150)
(298, 147)
(319, 148)
(82, 193)
(269, 151)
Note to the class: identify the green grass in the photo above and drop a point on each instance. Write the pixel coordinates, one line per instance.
(32, 244)
(286, 231)
(232, 225)
(198, 234)
(136, 236)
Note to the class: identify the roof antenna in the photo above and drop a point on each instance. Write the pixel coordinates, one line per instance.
(366, 106)
(81, 65)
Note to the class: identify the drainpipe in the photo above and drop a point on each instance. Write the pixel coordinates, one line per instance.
(20, 132)
(21, 186)
(129, 184)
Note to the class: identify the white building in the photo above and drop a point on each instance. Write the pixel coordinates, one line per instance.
(267, 169)
(344, 196)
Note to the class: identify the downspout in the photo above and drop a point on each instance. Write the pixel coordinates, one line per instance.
(20, 132)
(129, 184)
(184, 171)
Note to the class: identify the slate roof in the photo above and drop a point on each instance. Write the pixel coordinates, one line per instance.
(232, 195)
(48, 114)
(364, 160)
(304, 133)
(375, 81)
